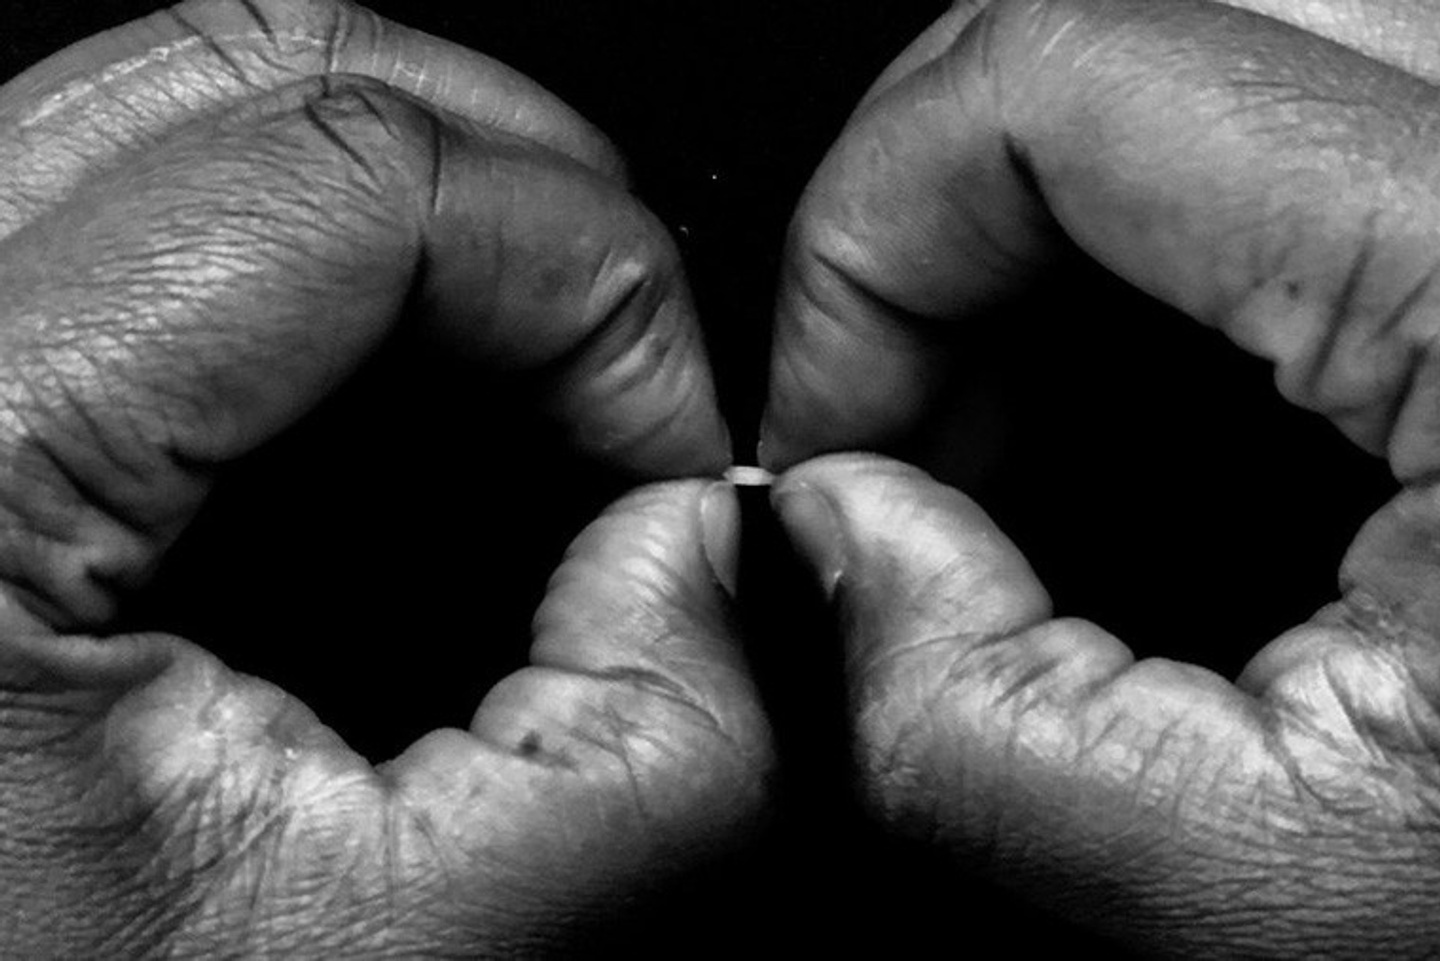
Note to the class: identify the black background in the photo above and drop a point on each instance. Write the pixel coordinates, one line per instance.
(382, 561)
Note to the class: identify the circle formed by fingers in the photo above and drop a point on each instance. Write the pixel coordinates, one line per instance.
(1268, 169)
(211, 221)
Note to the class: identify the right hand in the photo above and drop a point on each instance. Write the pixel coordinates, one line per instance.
(1276, 180)
(209, 220)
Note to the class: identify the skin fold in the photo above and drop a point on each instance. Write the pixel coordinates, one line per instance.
(215, 218)
(1266, 169)
(209, 221)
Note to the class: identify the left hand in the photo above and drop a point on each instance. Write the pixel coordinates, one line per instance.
(1275, 180)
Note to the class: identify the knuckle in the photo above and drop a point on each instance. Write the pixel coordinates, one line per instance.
(366, 118)
(351, 135)
(896, 709)
(633, 318)
(933, 710)
(1354, 726)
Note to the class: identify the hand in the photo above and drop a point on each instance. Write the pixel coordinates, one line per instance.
(1272, 179)
(209, 220)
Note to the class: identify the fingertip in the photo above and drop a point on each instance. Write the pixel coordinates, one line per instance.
(776, 451)
(848, 369)
(817, 527)
(582, 294)
(693, 439)
(840, 508)
(720, 526)
(647, 585)
(926, 48)
(801, 423)
(907, 556)
(653, 435)
(636, 658)
(636, 387)
(674, 438)
(859, 481)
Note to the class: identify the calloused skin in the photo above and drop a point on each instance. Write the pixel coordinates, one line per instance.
(1267, 167)
(209, 219)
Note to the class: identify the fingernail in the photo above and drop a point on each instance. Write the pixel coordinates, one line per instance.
(720, 533)
(815, 525)
(763, 445)
(760, 447)
(771, 450)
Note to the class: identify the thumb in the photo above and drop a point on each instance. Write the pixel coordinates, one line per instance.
(155, 802)
(924, 585)
(1289, 814)
(908, 561)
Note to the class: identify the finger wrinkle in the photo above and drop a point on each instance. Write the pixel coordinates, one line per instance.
(328, 130)
(1409, 306)
(79, 93)
(622, 299)
(1316, 784)
(437, 143)
(166, 69)
(1345, 308)
(902, 325)
(1382, 693)
(654, 363)
(1336, 774)
(236, 62)
(216, 49)
(254, 11)
(674, 690)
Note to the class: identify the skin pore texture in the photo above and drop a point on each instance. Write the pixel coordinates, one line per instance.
(211, 218)
(1270, 173)
(216, 219)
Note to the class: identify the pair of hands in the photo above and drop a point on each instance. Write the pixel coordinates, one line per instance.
(213, 217)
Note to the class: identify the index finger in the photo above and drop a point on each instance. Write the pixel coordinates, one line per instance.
(1265, 181)
(81, 108)
(181, 311)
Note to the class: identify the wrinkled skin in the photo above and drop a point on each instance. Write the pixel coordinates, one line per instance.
(209, 219)
(1269, 169)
